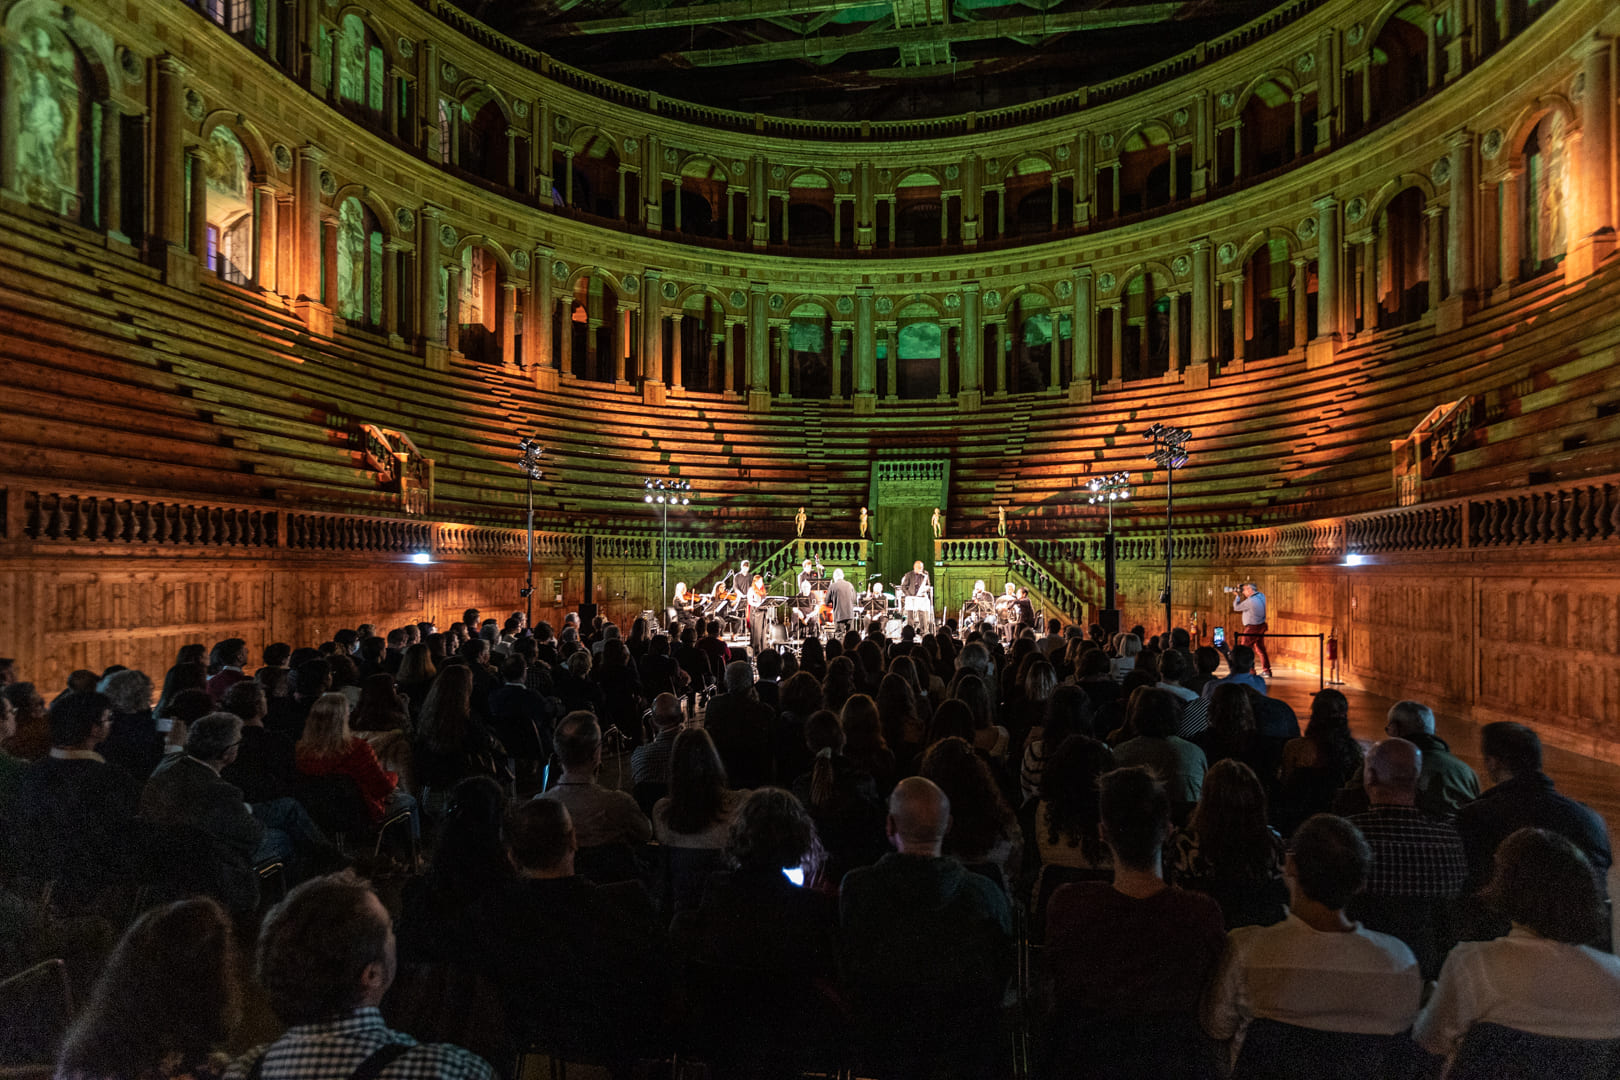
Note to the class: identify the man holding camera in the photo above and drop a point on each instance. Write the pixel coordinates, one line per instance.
(1250, 602)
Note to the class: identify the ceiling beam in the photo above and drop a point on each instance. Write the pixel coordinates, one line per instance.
(696, 15)
(1032, 26)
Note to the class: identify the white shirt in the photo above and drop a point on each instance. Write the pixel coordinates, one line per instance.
(1253, 608)
(1362, 982)
(1526, 983)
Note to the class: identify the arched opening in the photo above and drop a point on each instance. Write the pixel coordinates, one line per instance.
(359, 265)
(1541, 216)
(1146, 333)
(1030, 192)
(591, 182)
(918, 213)
(1144, 170)
(920, 352)
(362, 71)
(250, 21)
(1267, 301)
(1275, 132)
(1400, 62)
(484, 142)
(1403, 260)
(227, 167)
(477, 306)
(1037, 340)
(701, 326)
(57, 157)
(810, 211)
(809, 357)
(599, 334)
(702, 189)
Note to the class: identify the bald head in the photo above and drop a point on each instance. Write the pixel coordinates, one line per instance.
(919, 816)
(1390, 774)
(1408, 718)
(666, 710)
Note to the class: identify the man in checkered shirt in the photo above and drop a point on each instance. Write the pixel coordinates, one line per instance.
(326, 958)
(1414, 855)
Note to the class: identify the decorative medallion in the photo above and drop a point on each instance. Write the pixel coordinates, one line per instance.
(1228, 99)
(1227, 253)
(992, 299)
(1180, 117)
(1064, 289)
(777, 301)
(736, 168)
(1355, 34)
(447, 236)
(407, 48)
(195, 105)
(404, 220)
(1441, 170)
(884, 305)
(1355, 209)
(1063, 152)
(130, 65)
(992, 167)
(559, 270)
(1106, 281)
(777, 172)
(952, 172)
(328, 183)
(520, 108)
(449, 73)
(1306, 229)
(1106, 142)
(952, 301)
(738, 299)
(631, 283)
(562, 125)
(670, 156)
(1181, 265)
(844, 305)
(845, 176)
(670, 290)
(1306, 63)
(884, 176)
(520, 260)
(632, 144)
(1490, 144)
(282, 155)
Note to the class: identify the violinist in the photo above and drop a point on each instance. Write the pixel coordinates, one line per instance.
(756, 615)
(681, 603)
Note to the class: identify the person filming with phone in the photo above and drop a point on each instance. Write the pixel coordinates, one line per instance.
(1250, 602)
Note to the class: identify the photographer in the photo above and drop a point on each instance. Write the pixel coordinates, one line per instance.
(1250, 602)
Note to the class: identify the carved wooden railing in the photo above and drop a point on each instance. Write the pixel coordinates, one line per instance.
(107, 520)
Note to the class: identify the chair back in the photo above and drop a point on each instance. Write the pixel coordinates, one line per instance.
(1494, 1052)
(1425, 924)
(1273, 1050)
(38, 1006)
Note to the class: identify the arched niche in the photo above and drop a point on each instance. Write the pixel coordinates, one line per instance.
(228, 169)
(1403, 259)
(920, 352)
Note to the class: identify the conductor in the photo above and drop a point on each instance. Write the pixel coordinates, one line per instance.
(918, 597)
(841, 597)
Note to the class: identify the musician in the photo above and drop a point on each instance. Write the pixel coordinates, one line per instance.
(1026, 610)
(807, 575)
(841, 595)
(681, 603)
(915, 584)
(981, 595)
(742, 580)
(756, 615)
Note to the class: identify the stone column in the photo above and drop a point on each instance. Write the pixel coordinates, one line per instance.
(1436, 255)
(865, 351)
(1369, 282)
(197, 207)
(111, 211)
(1329, 85)
(759, 206)
(264, 237)
(1116, 341)
(568, 177)
(677, 377)
(1203, 304)
(593, 345)
(452, 307)
(759, 359)
(1512, 226)
(651, 210)
(1302, 297)
(1083, 362)
(971, 389)
(865, 209)
(1176, 359)
(170, 167)
(619, 202)
(427, 271)
(329, 261)
(944, 362)
(1240, 325)
(537, 327)
(1237, 148)
(652, 330)
(1085, 179)
(784, 384)
(1004, 357)
(723, 343)
(390, 288)
(506, 314)
(622, 373)
(1327, 268)
(308, 202)
(1001, 210)
(891, 363)
(1460, 246)
(1593, 233)
(1299, 124)
(894, 214)
(835, 335)
(972, 200)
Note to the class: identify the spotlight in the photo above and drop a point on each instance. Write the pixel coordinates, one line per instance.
(421, 558)
(1355, 560)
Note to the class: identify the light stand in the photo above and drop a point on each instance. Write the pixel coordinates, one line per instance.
(1170, 453)
(1108, 490)
(665, 493)
(529, 461)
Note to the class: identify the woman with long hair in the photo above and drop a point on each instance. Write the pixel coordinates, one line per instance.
(192, 675)
(903, 726)
(637, 643)
(988, 736)
(166, 1003)
(839, 684)
(983, 827)
(415, 676)
(952, 720)
(450, 744)
(1229, 852)
(381, 708)
(842, 799)
(1231, 731)
(813, 658)
(870, 654)
(1319, 763)
(328, 748)
(1067, 712)
(865, 745)
(698, 810)
(1067, 814)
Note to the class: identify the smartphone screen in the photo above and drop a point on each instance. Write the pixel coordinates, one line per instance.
(794, 874)
(1220, 636)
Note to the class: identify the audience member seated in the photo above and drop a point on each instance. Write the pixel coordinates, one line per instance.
(184, 675)
(599, 816)
(521, 718)
(1206, 661)
(166, 1003)
(1065, 817)
(1228, 852)
(864, 743)
(984, 832)
(1316, 969)
(622, 704)
(842, 800)
(1179, 764)
(649, 762)
(1231, 733)
(328, 748)
(580, 965)
(1128, 961)
(660, 673)
(266, 765)
(73, 816)
(11, 768)
(311, 679)
(1067, 711)
(225, 666)
(926, 947)
(415, 676)
(904, 727)
(1240, 668)
(326, 958)
(451, 743)
(741, 726)
(989, 738)
(1544, 977)
(1315, 766)
(135, 745)
(1447, 783)
(1523, 797)
(469, 862)
(699, 808)
(33, 737)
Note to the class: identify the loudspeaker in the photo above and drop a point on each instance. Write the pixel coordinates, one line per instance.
(587, 612)
(1108, 619)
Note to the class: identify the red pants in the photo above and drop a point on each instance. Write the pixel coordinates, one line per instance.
(1255, 638)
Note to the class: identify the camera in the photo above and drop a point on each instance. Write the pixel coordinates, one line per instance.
(1229, 588)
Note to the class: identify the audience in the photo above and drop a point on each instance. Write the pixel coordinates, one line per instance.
(984, 830)
(698, 810)
(469, 862)
(740, 725)
(1066, 810)
(1413, 854)
(598, 816)
(328, 748)
(1447, 783)
(842, 799)
(1228, 851)
(1315, 766)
